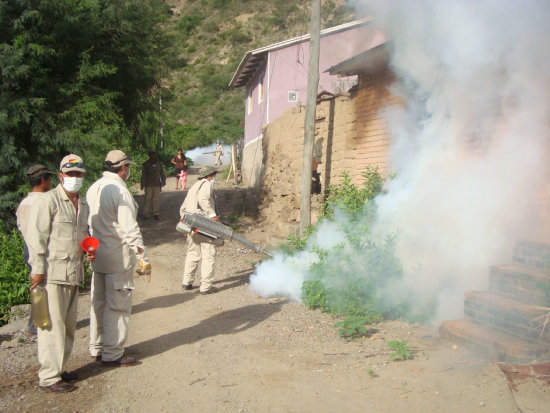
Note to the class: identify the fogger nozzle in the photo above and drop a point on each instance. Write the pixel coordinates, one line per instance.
(217, 229)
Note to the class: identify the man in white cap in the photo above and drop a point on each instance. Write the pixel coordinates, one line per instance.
(113, 213)
(219, 153)
(200, 200)
(57, 225)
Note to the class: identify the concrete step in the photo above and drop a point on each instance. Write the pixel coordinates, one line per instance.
(533, 254)
(524, 321)
(523, 283)
(493, 343)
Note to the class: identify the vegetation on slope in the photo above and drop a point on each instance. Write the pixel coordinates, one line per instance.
(211, 37)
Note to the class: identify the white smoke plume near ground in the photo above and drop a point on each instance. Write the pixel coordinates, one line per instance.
(469, 145)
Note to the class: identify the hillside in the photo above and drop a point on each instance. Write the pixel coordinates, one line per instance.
(210, 38)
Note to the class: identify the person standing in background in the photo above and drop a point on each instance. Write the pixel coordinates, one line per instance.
(40, 181)
(219, 153)
(112, 221)
(57, 225)
(180, 165)
(152, 180)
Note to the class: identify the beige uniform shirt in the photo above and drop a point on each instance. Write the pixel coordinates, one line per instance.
(55, 231)
(200, 199)
(24, 210)
(112, 221)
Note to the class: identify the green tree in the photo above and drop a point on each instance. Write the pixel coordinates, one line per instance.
(75, 76)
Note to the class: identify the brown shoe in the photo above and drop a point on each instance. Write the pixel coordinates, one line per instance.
(96, 358)
(69, 377)
(59, 387)
(124, 361)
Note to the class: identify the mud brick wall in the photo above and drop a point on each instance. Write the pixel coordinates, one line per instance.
(522, 321)
(522, 284)
(533, 254)
(349, 136)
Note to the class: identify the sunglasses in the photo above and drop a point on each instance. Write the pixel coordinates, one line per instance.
(73, 165)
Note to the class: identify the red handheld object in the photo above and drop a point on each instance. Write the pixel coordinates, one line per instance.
(89, 244)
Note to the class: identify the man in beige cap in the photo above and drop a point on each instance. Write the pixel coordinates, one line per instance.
(113, 213)
(219, 153)
(57, 225)
(200, 200)
(40, 181)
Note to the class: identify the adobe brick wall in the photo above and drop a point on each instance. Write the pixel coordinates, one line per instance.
(349, 136)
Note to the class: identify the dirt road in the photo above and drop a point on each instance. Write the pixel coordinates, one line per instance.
(237, 352)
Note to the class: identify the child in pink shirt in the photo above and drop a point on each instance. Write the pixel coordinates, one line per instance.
(182, 176)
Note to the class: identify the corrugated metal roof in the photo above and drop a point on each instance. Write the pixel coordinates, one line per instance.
(368, 61)
(254, 58)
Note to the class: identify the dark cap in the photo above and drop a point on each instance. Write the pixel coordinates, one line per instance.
(38, 170)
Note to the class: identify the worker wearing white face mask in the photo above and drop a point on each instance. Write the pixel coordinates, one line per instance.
(113, 213)
(57, 224)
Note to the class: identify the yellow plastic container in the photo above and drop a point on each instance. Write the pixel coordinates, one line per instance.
(39, 307)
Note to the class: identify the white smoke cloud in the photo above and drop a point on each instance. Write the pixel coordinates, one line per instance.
(200, 158)
(469, 145)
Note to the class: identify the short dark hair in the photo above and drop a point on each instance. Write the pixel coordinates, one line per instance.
(37, 180)
(108, 167)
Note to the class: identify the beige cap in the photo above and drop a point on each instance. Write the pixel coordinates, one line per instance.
(118, 158)
(38, 170)
(206, 171)
(72, 162)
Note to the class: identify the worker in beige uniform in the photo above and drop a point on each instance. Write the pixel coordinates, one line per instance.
(113, 214)
(57, 225)
(219, 153)
(40, 182)
(200, 200)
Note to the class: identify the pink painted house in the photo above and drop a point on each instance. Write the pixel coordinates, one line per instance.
(275, 78)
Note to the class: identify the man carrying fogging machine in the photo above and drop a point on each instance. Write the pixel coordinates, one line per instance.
(200, 221)
(200, 200)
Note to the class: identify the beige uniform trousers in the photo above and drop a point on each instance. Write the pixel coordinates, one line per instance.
(152, 198)
(109, 315)
(199, 251)
(55, 344)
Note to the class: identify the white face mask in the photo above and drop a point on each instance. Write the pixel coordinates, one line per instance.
(72, 183)
(213, 180)
(128, 176)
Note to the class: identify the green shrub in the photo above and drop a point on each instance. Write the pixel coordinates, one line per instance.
(358, 278)
(14, 275)
(187, 24)
(314, 295)
(401, 350)
(354, 327)
(351, 198)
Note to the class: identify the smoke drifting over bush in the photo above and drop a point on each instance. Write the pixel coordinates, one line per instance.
(470, 143)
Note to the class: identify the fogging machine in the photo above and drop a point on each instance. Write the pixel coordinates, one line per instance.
(206, 230)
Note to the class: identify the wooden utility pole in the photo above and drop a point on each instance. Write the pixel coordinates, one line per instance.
(311, 103)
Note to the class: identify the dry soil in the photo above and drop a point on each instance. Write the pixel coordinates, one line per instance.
(237, 352)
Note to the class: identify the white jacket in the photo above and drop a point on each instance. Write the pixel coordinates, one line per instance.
(112, 220)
